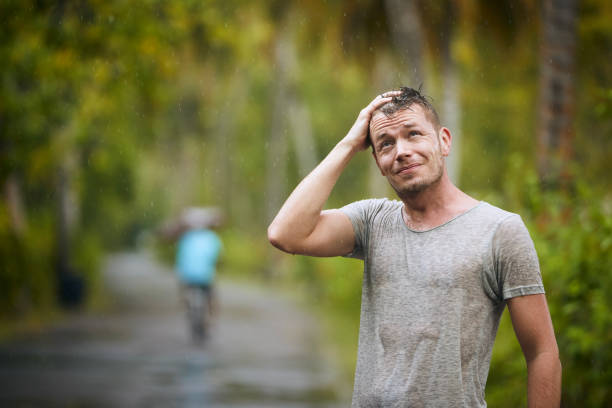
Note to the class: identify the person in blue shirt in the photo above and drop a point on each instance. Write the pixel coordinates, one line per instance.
(197, 255)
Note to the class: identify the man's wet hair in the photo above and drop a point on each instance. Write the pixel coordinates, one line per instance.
(406, 99)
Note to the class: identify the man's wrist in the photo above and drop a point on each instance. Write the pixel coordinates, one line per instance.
(349, 146)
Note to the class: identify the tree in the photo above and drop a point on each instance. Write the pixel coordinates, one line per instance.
(556, 105)
(451, 106)
(407, 33)
(290, 118)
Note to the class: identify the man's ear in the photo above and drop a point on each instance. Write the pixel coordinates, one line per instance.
(445, 137)
(376, 160)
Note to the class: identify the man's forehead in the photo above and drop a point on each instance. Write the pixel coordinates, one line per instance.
(380, 121)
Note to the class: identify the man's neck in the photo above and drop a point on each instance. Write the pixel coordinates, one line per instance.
(436, 205)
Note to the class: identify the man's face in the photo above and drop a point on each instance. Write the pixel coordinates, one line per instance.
(408, 149)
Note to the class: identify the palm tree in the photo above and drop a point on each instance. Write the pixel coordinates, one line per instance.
(556, 103)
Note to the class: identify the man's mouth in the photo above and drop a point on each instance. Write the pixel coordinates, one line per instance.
(408, 169)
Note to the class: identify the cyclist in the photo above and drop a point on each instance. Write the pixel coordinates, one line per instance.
(196, 259)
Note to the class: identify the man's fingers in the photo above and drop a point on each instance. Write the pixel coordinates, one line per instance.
(382, 99)
(379, 101)
(386, 96)
(389, 94)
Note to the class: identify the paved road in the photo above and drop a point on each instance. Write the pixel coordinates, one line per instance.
(265, 352)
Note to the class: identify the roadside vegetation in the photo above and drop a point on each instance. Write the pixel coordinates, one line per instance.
(113, 118)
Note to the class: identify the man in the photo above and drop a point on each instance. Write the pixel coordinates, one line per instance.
(439, 268)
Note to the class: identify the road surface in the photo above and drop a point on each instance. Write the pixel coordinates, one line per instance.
(265, 351)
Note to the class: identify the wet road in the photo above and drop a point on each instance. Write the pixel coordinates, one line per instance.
(264, 352)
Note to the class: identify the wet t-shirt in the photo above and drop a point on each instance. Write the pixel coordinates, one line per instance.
(432, 301)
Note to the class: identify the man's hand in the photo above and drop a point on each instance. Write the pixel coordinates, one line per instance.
(357, 137)
(301, 226)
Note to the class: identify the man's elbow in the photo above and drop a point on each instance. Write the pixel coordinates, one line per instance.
(278, 240)
(548, 358)
(549, 351)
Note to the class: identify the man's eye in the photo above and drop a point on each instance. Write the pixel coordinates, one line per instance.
(386, 143)
(414, 133)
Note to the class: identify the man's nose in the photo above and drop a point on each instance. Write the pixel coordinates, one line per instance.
(403, 149)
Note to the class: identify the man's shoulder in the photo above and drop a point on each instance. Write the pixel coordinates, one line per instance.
(493, 210)
(492, 215)
(372, 205)
(370, 211)
(377, 202)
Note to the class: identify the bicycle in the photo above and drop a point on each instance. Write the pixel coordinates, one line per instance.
(197, 299)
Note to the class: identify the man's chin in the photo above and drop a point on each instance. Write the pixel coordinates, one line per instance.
(414, 187)
(411, 189)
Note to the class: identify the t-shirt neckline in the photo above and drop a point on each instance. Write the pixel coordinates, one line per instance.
(401, 217)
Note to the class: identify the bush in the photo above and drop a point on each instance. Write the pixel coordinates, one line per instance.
(572, 232)
(574, 239)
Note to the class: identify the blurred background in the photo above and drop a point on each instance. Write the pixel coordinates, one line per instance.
(115, 116)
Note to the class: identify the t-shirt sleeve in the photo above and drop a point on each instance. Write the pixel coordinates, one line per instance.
(515, 260)
(359, 213)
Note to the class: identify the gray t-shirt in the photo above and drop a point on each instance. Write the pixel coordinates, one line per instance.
(432, 300)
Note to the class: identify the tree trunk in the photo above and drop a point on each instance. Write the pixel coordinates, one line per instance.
(276, 180)
(224, 141)
(14, 204)
(384, 64)
(71, 286)
(298, 113)
(556, 94)
(407, 33)
(451, 106)
(287, 105)
(451, 114)
(302, 137)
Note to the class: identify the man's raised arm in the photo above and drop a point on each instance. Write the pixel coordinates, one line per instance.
(301, 226)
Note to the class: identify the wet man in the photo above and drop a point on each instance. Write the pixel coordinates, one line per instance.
(439, 266)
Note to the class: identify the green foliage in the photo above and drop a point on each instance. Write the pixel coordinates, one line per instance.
(507, 381)
(594, 96)
(152, 108)
(82, 86)
(574, 239)
(572, 232)
(243, 255)
(27, 281)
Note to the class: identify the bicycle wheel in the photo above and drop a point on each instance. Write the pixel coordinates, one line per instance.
(197, 309)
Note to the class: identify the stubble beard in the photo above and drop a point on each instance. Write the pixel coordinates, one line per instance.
(421, 184)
